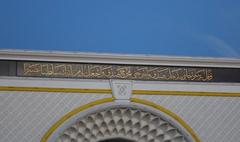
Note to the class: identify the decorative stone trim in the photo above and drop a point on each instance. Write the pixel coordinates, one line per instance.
(121, 89)
(113, 71)
(122, 122)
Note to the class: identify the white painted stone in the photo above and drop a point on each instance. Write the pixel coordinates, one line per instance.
(104, 84)
(122, 122)
(121, 89)
(81, 57)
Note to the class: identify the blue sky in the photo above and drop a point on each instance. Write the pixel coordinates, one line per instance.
(162, 27)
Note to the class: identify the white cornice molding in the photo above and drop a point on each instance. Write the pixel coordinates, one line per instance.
(58, 56)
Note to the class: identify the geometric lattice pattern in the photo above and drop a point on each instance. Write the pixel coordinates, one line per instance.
(124, 122)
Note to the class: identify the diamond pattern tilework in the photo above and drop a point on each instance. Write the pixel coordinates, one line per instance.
(214, 119)
(26, 116)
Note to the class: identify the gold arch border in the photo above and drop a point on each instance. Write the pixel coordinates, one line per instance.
(72, 113)
(169, 113)
(106, 100)
(109, 91)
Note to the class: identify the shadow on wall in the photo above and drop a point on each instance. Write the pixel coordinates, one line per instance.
(117, 140)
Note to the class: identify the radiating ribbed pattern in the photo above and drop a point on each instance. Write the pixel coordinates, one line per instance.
(126, 122)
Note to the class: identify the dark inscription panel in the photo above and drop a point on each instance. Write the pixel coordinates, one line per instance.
(108, 71)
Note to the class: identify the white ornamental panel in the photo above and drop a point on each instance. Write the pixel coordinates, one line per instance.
(128, 123)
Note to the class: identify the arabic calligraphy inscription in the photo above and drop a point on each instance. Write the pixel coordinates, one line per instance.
(104, 71)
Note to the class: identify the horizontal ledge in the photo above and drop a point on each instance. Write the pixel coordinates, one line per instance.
(135, 59)
(109, 91)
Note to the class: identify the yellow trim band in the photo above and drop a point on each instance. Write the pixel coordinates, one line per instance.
(109, 91)
(170, 113)
(64, 90)
(185, 93)
(70, 114)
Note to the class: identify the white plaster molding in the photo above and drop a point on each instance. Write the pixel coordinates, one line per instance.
(127, 120)
(187, 86)
(54, 82)
(121, 89)
(104, 84)
(58, 56)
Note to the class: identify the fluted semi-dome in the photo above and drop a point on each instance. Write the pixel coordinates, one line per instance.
(129, 123)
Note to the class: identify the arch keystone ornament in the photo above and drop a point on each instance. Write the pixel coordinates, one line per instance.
(121, 90)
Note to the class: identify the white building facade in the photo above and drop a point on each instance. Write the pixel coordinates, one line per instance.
(88, 97)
